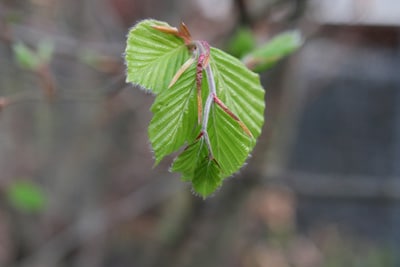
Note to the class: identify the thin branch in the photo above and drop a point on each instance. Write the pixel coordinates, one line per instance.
(203, 58)
(204, 50)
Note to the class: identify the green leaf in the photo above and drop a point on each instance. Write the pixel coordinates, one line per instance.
(189, 159)
(26, 57)
(269, 54)
(207, 177)
(218, 144)
(231, 146)
(195, 166)
(240, 89)
(175, 116)
(242, 42)
(153, 57)
(33, 60)
(26, 196)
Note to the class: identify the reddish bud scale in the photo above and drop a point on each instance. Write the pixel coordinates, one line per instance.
(232, 115)
(199, 136)
(199, 78)
(182, 32)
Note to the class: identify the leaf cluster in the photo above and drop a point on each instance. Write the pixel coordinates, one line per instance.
(209, 105)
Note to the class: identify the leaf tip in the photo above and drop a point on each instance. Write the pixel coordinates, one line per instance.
(207, 178)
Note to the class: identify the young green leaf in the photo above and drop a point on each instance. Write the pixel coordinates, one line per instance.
(189, 160)
(26, 196)
(241, 43)
(26, 57)
(207, 177)
(240, 89)
(205, 99)
(174, 117)
(195, 166)
(153, 57)
(33, 60)
(267, 55)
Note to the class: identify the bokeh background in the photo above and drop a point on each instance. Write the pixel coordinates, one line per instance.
(77, 183)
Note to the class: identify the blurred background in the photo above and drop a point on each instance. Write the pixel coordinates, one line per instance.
(77, 183)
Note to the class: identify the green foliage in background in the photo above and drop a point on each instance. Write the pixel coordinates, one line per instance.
(33, 60)
(267, 55)
(241, 43)
(26, 196)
